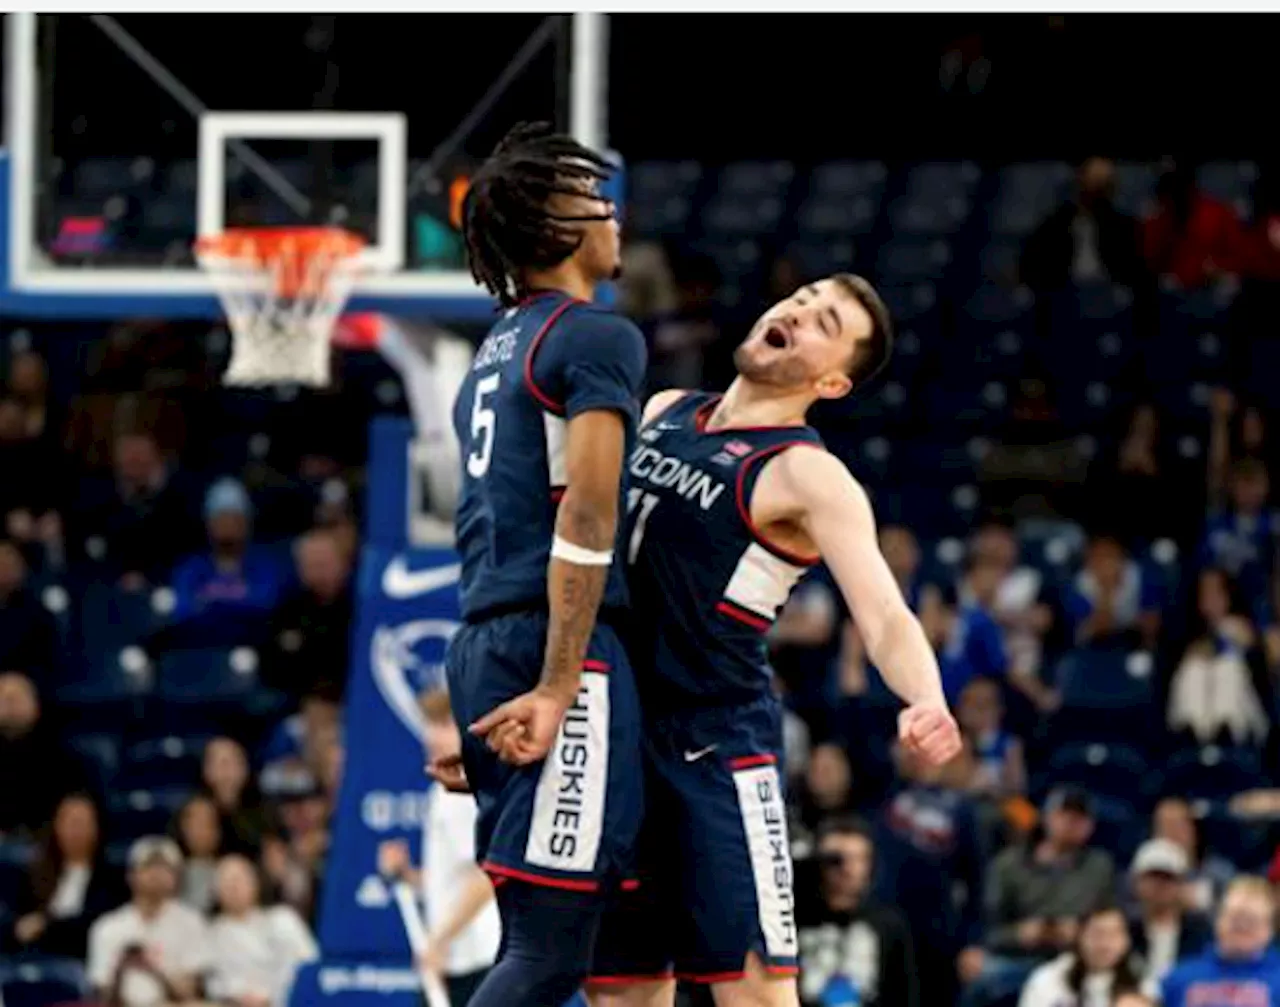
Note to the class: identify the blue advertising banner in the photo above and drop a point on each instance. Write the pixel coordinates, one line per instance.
(408, 611)
(356, 984)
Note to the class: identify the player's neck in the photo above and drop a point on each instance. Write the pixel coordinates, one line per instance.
(746, 404)
(566, 278)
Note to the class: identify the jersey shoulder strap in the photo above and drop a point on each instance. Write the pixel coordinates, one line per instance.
(539, 378)
(585, 356)
(777, 441)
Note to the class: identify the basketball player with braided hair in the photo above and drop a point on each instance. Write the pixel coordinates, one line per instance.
(544, 419)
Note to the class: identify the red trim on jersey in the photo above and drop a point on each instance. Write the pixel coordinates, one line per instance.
(569, 884)
(657, 977)
(597, 666)
(703, 413)
(743, 615)
(557, 493)
(744, 508)
(751, 761)
(543, 399)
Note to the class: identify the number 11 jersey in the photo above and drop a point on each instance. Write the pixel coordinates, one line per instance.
(544, 362)
(706, 585)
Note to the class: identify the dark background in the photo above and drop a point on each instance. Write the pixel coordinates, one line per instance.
(747, 85)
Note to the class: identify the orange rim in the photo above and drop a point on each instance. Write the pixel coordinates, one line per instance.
(301, 258)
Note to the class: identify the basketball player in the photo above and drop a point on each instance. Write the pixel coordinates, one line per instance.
(732, 500)
(545, 419)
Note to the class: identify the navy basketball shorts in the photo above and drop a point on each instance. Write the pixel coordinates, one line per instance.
(715, 868)
(570, 821)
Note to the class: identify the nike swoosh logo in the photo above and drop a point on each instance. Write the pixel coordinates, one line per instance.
(399, 581)
(695, 756)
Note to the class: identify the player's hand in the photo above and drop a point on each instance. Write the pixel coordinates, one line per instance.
(447, 770)
(929, 730)
(522, 730)
(393, 858)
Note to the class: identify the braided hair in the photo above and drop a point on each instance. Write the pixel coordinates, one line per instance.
(506, 224)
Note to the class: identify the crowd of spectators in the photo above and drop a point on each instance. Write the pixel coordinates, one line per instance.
(1104, 839)
(175, 849)
(1108, 834)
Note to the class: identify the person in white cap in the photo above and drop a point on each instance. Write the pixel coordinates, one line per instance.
(152, 950)
(1162, 930)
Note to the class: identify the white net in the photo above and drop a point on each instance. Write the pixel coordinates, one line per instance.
(282, 293)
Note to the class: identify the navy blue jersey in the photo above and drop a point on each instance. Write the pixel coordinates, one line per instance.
(543, 363)
(705, 585)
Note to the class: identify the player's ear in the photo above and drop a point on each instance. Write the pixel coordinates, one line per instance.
(834, 385)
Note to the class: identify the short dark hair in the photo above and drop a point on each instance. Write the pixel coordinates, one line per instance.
(843, 825)
(506, 225)
(872, 356)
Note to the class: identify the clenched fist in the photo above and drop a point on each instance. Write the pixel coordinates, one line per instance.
(929, 730)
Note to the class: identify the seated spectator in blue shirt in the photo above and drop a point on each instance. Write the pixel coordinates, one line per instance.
(999, 769)
(1242, 967)
(1241, 538)
(1110, 601)
(225, 595)
(968, 641)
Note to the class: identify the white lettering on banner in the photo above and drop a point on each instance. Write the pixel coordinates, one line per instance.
(765, 821)
(368, 979)
(372, 893)
(654, 467)
(384, 810)
(568, 808)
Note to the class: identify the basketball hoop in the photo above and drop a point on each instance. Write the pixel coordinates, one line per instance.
(282, 289)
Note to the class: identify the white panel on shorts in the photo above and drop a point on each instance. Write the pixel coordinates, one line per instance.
(762, 581)
(568, 808)
(556, 430)
(764, 819)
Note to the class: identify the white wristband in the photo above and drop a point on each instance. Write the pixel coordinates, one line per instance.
(570, 553)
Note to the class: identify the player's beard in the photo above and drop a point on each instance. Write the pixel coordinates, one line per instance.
(786, 372)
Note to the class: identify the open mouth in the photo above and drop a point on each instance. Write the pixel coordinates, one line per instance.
(776, 337)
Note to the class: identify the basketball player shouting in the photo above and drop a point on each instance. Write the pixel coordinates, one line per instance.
(731, 500)
(545, 419)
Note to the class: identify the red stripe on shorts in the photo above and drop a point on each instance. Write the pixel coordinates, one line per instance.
(513, 874)
(747, 761)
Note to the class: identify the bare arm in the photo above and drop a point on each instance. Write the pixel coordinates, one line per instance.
(588, 518)
(475, 895)
(833, 510)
